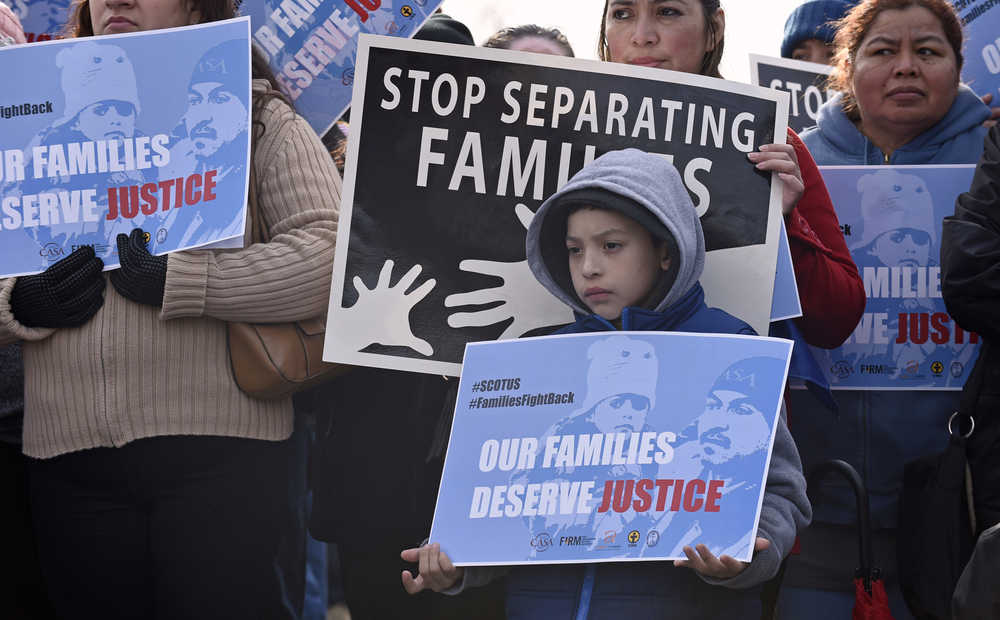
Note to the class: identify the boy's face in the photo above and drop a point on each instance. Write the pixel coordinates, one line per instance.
(612, 260)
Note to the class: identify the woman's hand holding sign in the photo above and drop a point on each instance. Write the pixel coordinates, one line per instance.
(781, 158)
(704, 561)
(437, 573)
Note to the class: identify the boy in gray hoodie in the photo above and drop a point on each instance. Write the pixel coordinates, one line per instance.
(622, 245)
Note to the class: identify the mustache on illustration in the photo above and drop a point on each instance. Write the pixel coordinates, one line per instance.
(203, 129)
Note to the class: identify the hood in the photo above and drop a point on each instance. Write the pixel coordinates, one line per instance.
(653, 184)
(966, 113)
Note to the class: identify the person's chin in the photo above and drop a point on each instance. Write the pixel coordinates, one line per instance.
(607, 311)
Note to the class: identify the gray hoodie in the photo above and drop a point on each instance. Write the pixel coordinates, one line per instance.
(652, 183)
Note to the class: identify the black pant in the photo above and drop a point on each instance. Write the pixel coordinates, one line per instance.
(22, 590)
(169, 527)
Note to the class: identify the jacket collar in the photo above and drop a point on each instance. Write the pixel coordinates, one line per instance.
(967, 112)
(640, 319)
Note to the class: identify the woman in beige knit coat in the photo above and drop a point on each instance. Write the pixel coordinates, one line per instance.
(157, 486)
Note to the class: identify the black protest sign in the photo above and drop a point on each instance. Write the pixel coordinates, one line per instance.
(805, 82)
(453, 148)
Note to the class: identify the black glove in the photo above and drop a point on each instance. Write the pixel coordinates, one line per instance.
(67, 294)
(142, 276)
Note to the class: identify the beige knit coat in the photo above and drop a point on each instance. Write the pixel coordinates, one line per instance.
(135, 371)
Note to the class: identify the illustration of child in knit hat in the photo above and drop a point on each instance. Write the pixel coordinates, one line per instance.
(899, 230)
(897, 211)
(101, 103)
(621, 392)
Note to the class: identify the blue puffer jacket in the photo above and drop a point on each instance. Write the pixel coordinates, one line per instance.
(880, 431)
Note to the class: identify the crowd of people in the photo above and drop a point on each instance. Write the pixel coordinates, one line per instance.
(146, 484)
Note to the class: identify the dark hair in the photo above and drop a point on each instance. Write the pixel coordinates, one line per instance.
(79, 25)
(506, 36)
(854, 27)
(709, 64)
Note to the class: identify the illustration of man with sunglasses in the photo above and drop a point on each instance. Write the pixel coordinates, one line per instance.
(211, 135)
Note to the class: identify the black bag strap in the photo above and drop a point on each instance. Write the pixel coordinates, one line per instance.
(965, 416)
(865, 569)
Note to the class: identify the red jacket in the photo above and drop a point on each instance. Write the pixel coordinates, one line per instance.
(830, 289)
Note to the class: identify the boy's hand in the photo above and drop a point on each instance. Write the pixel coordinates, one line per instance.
(781, 158)
(725, 567)
(436, 570)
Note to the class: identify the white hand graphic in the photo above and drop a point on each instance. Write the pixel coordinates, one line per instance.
(382, 314)
(527, 301)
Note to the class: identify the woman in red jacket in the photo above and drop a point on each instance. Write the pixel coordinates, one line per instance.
(689, 35)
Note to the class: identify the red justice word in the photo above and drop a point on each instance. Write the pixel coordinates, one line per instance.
(360, 7)
(689, 495)
(180, 191)
(918, 327)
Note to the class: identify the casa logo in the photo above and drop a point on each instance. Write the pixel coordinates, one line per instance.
(574, 541)
(51, 250)
(541, 542)
(937, 368)
(912, 367)
(652, 538)
(406, 10)
(842, 370)
(956, 369)
(633, 538)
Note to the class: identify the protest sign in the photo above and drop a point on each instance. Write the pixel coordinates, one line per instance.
(312, 45)
(785, 302)
(42, 20)
(453, 148)
(981, 70)
(805, 82)
(891, 217)
(598, 447)
(106, 134)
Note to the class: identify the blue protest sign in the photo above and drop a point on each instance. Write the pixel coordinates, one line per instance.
(981, 70)
(891, 216)
(106, 134)
(42, 20)
(785, 302)
(312, 45)
(609, 447)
